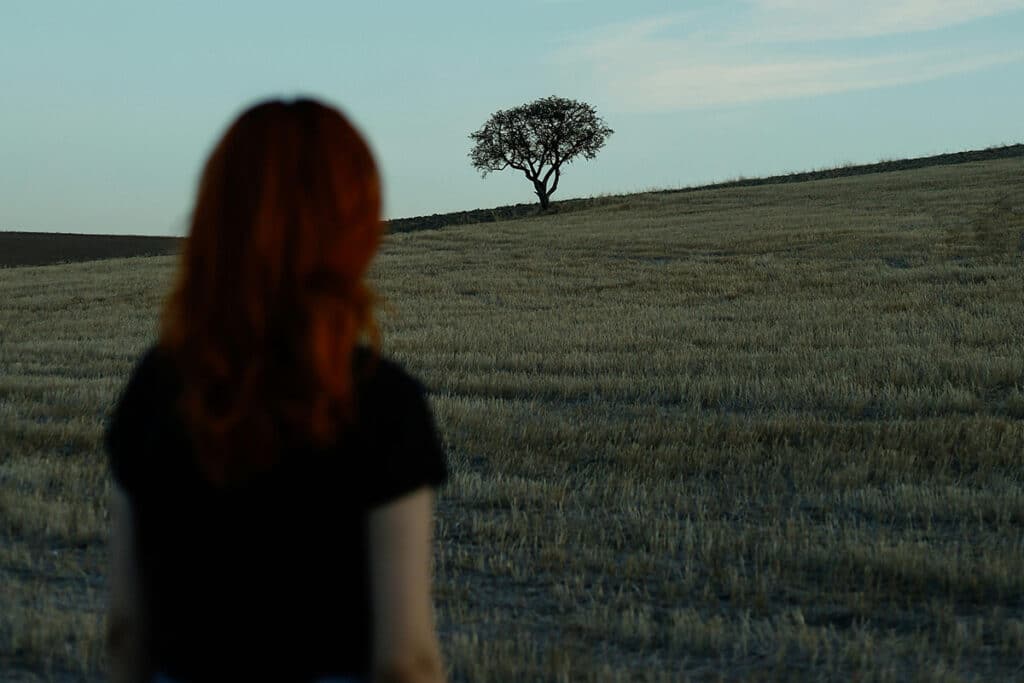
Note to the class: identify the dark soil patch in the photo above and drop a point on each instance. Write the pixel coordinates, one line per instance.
(47, 248)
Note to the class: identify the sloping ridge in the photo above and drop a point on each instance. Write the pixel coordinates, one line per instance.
(44, 248)
(513, 211)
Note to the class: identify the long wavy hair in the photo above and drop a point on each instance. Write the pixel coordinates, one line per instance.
(269, 300)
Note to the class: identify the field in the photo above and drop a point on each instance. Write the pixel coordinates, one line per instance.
(750, 433)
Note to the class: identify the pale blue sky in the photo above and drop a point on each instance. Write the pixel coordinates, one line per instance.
(108, 109)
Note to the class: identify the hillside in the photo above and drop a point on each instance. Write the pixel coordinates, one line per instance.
(35, 248)
(744, 434)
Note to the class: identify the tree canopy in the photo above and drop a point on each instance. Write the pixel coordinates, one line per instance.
(537, 138)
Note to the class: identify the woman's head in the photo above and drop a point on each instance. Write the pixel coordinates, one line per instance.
(269, 302)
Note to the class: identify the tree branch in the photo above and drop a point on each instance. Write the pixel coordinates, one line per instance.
(534, 171)
(554, 168)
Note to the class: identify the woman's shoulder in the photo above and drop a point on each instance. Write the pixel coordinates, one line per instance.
(381, 380)
(387, 374)
(409, 451)
(155, 363)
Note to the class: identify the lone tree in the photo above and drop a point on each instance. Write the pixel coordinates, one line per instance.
(542, 134)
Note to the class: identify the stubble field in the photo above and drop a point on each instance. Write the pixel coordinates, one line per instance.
(767, 433)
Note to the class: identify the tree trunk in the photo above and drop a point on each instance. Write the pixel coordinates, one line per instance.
(542, 193)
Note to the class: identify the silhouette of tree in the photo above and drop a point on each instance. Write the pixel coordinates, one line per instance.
(537, 138)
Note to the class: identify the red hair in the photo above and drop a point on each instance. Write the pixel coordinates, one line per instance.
(269, 301)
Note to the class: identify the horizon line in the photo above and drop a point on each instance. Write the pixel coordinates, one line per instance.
(719, 184)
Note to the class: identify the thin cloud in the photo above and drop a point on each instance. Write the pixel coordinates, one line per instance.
(813, 20)
(722, 84)
(686, 60)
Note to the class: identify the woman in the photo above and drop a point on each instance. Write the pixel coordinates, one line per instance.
(274, 480)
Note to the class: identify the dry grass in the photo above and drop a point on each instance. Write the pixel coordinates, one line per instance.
(768, 433)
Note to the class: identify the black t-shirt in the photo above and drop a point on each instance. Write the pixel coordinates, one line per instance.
(269, 581)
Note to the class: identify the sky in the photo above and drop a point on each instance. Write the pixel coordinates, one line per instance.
(108, 109)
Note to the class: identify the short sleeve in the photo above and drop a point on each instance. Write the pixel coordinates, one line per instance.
(122, 436)
(410, 452)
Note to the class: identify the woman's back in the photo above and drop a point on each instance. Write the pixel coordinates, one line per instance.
(269, 577)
